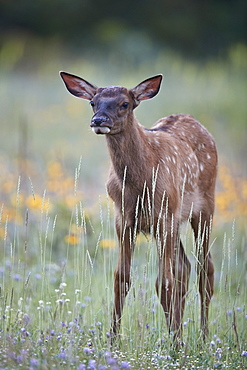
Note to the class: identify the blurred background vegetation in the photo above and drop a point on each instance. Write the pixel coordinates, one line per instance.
(196, 28)
(199, 47)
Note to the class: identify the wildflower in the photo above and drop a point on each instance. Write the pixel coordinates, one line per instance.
(168, 358)
(81, 367)
(218, 353)
(71, 239)
(125, 365)
(92, 365)
(107, 243)
(107, 354)
(62, 355)
(34, 362)
(17, 277)
(20, 359)
(37, 203)
(87, 351)
(212, 343)
(26, 319)
(111, 361)
(244, 354)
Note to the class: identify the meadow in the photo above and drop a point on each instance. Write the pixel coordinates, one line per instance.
(58, 246)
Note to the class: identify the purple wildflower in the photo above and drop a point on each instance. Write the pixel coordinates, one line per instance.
(26, 319)
(62, 355)
(92, 365)
(244, 354)
(34, 362)
(218, 353)
(87, 351)
(81, 367)
(17, 277)
(125, 365)
(111, 361)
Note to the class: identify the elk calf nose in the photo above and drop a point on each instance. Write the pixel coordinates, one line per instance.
(98, 121)
(98, 125)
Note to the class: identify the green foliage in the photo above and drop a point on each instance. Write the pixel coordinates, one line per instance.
(191, 27)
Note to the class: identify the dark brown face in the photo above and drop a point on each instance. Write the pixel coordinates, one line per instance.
(111, 106)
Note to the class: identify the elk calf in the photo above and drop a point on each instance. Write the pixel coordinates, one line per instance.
(159, 178)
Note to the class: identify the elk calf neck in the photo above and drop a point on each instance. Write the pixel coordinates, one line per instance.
(159, 177)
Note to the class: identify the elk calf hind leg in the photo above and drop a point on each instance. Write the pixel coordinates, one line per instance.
(182, 275)
(205, 268)
(172, 287)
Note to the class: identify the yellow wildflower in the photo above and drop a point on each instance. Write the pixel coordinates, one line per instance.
(71, 239)
(107, 243)
(37, 203)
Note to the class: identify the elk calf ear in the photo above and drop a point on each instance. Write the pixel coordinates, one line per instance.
(78, 87)
(147, 89)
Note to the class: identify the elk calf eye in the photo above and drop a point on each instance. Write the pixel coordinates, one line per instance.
(92, 104)
(125, 105)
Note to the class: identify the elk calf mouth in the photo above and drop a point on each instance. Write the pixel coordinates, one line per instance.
(101, 130)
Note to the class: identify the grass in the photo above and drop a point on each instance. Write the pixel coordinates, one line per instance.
(57, 262)
(57, 240)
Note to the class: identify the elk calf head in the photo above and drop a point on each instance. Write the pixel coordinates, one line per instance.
(112, 105)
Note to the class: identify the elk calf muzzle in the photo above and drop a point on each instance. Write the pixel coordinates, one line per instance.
(98, 125)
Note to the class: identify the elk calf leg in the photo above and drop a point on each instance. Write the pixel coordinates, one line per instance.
(206, 289)
(121, 277)
(205, 268)
(182, 276)
(172, 287)
(121, 289)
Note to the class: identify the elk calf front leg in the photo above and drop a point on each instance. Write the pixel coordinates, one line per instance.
(121, 278)
(171, 284)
